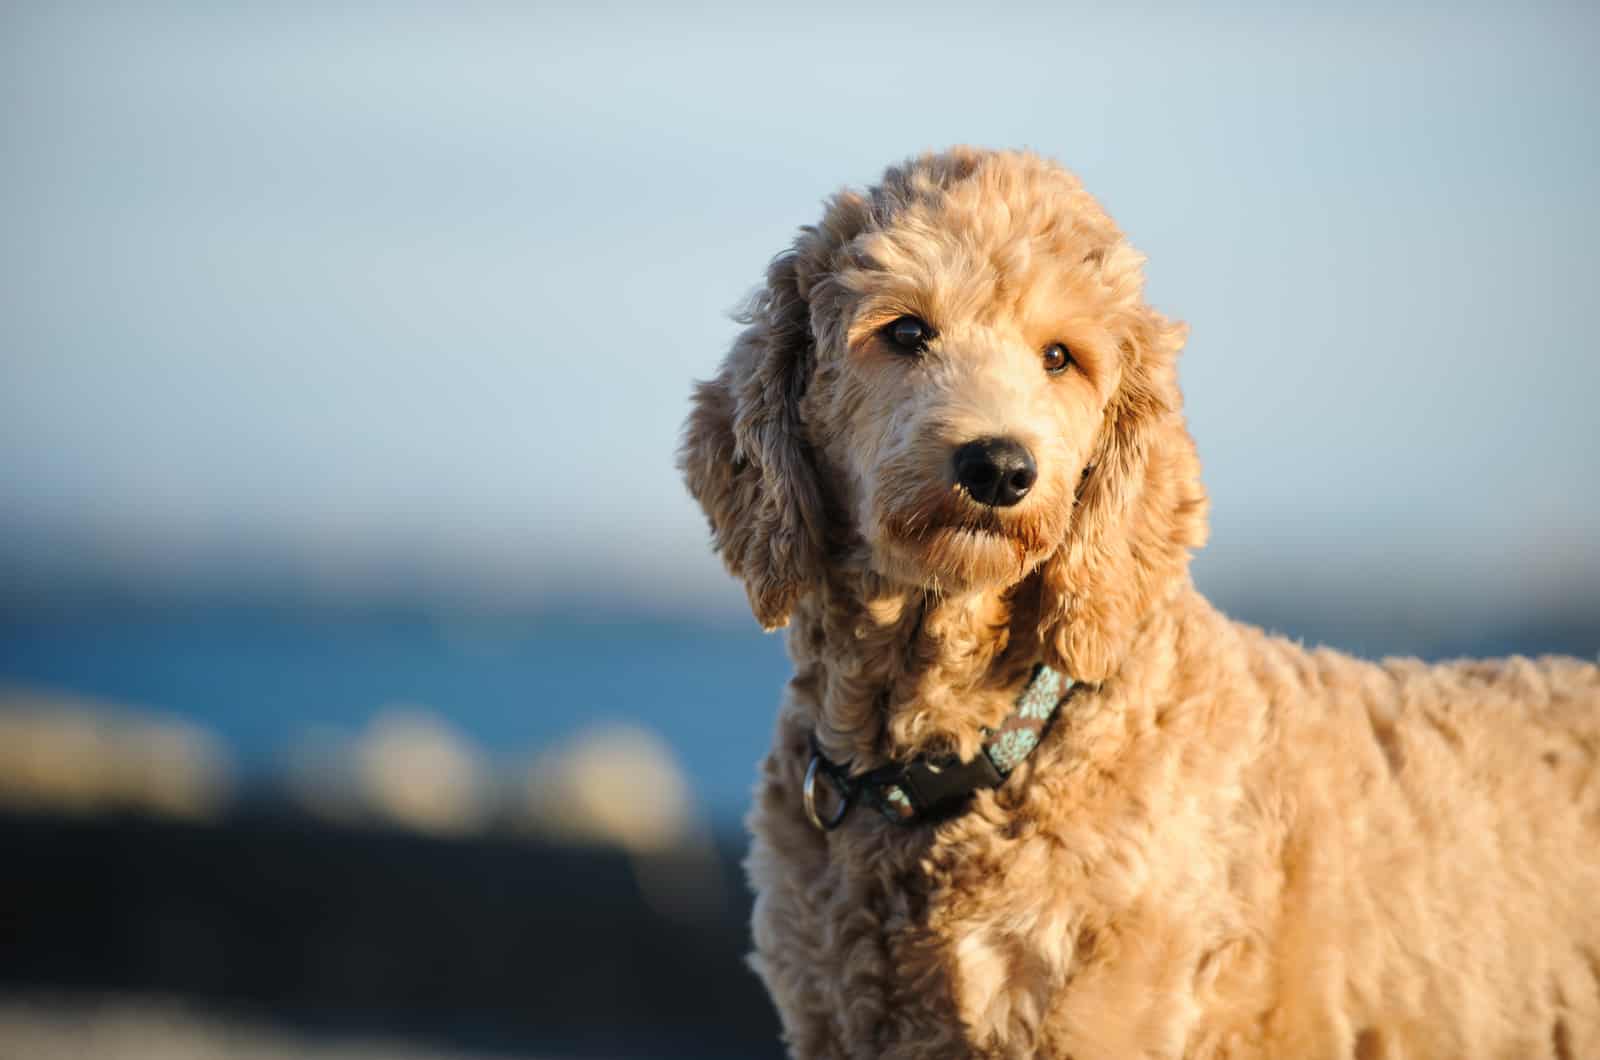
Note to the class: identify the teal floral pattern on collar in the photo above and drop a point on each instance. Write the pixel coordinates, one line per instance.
(1011, 747)
(1039, 701)
(1019, 734)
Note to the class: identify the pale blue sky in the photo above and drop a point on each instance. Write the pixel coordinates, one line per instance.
(368, 293)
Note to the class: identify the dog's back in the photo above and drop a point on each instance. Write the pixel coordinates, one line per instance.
(1441, 865)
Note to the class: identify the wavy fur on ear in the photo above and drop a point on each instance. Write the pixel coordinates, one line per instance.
(1141, 509)
(744, 453)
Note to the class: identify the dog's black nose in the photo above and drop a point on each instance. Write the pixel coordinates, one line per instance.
(995, 471)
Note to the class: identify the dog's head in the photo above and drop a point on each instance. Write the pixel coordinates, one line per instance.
(959, 365)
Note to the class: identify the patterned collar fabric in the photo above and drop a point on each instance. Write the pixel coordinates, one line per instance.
(925, 789)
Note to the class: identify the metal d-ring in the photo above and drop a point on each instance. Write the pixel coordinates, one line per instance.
(808, 791)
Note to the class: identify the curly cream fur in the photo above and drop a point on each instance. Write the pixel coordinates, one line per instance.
(1227, 845)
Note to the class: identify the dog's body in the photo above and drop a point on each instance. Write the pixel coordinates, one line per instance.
(1225, 845)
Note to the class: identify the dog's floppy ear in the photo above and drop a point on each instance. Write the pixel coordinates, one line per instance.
(745, 455)
(1140, 511)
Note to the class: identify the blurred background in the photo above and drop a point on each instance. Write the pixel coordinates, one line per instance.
(367, 686)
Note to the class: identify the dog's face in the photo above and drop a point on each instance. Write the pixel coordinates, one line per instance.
(964, 361)
(959, 365)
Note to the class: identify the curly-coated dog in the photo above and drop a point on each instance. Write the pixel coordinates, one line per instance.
(1030, 795)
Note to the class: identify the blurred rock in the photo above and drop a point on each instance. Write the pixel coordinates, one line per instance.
(81, 756)
(617, 785)
(416, 770)
(620, 785)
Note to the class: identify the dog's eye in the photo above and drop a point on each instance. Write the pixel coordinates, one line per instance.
(909, 333)
(1057, 358)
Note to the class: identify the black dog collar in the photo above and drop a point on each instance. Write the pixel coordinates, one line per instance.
(924, 788)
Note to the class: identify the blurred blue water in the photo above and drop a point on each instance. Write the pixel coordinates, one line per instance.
(262, 678)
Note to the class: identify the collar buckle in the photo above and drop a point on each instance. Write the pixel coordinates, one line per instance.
(808, 792)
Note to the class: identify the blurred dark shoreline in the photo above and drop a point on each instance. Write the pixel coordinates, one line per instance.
(489, 943)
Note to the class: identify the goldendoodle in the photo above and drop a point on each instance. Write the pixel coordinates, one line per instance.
(1030, 794)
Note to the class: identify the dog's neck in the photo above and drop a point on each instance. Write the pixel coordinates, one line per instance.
(892, 672)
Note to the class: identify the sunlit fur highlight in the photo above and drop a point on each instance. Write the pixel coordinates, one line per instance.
(1226, 845)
